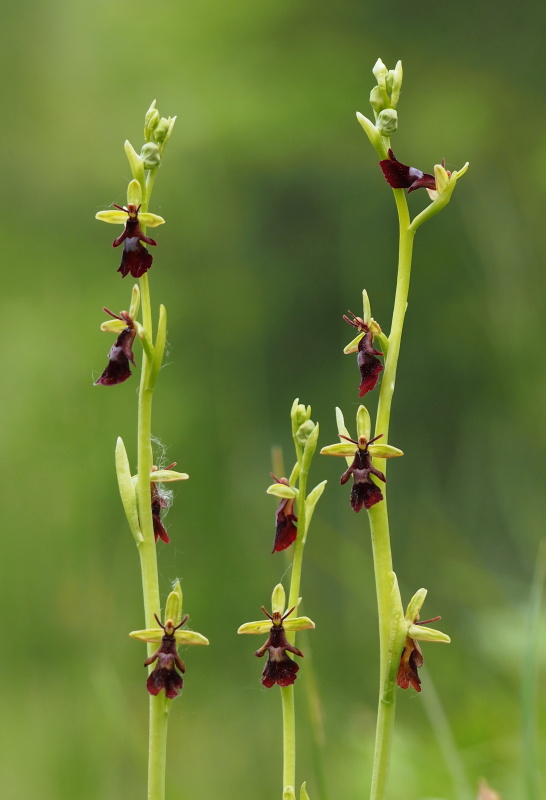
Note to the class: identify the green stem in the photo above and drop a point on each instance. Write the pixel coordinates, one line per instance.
(158, 707)
(378, 514)
(287, 692)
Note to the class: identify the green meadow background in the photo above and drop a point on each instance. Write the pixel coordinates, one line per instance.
(277, 217)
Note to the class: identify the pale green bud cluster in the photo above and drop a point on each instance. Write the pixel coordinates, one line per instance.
(386, 94)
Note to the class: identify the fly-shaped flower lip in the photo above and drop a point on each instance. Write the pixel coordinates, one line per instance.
(400, 176)
(135, 258)
(280, 668)
(412, 657)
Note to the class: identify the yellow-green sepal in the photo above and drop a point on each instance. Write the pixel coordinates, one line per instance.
(352, 347)
(112, 216)
(113, 326)
(343, 449)
(168, 475)
(278, 599)
(298, 624)
(259, 626)
(425, 634)
(127, 490)
(151, 220)
(363, 423)
(384, 451)
(282, 490)
(415, 605)
(152, 635)
(190, 637)
(173, 606)
(134, 193)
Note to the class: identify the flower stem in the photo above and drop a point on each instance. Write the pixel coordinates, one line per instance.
(378, 514)
(287, 692)
(159, 706)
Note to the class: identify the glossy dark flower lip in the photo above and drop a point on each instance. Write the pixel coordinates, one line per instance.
(164, 675)
(121, 353)
(411, 661)
(400, 176)
(286, 530)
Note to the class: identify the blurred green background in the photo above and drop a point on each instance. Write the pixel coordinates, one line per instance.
(278, 216)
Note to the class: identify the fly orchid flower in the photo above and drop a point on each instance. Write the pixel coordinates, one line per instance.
(160, 498)
(135, 258)
(280, 668)
(285, 528)
(412, 657)
(365, 491)
(370, 366)
(166, 674)
(121, 352)
(400, 176)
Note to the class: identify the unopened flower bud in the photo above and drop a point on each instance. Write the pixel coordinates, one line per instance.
(161, 130)
(150, 155)
(304, 431)
(151, 119)
(380, 71)
(377, 101)
(387, 122)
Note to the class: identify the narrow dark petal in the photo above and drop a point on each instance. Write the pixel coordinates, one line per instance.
(135, 258)
(285, 531)
(400, 176)
(281, 672)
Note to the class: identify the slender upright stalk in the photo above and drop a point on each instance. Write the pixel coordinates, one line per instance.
(287, 692)
(159, 706)
(378, 514)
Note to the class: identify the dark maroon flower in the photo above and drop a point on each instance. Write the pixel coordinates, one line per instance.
(285, 531)
(135, 258)
(370, 366)
(164, 676)
(364, 491)
(279, 668)
(400, 176)
(121, 353)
